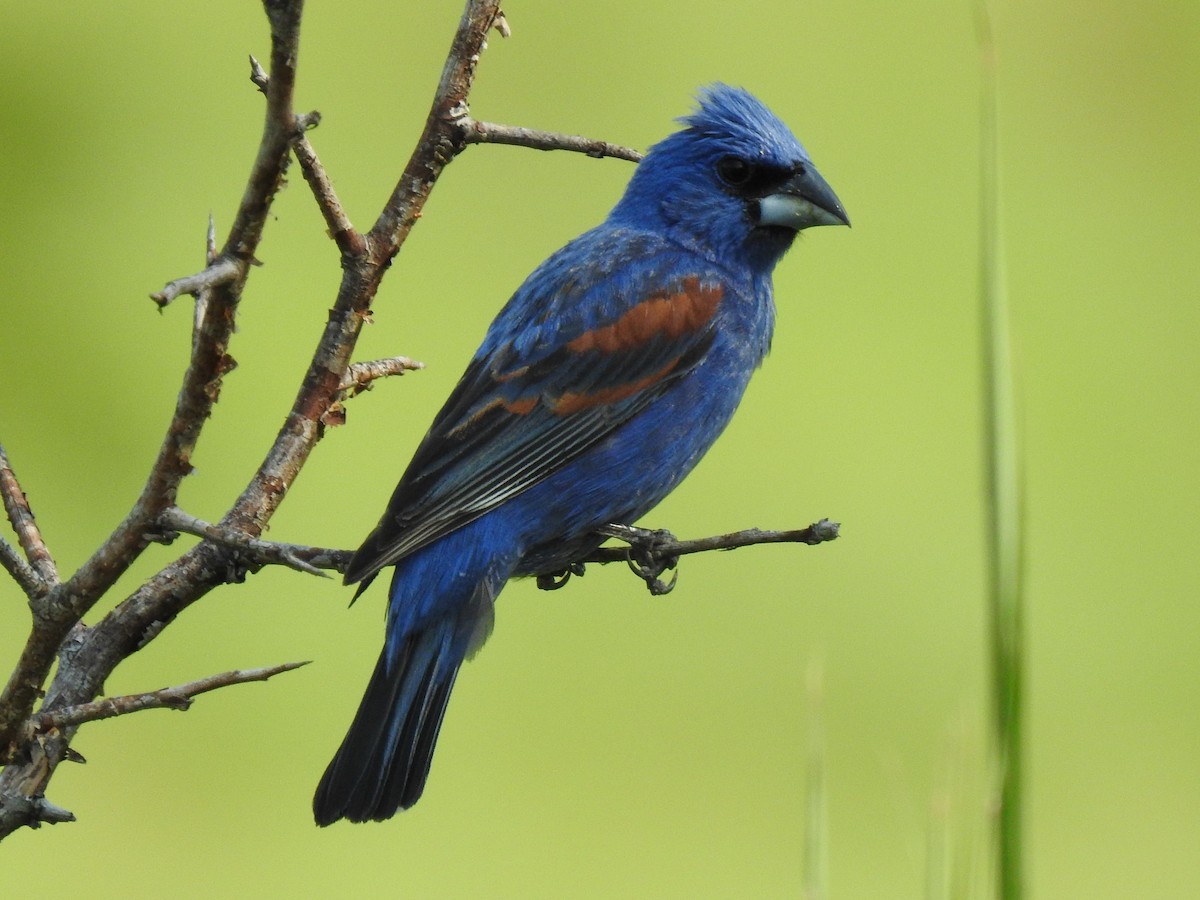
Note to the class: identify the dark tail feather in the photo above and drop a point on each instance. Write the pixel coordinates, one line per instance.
(384, 759)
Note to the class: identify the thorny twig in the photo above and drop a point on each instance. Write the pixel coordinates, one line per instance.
(476, 132)
(651, 552)
(38, 574)
(165, 698)
(257, 551)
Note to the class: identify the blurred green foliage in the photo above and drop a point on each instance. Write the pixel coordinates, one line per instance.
(607, 743)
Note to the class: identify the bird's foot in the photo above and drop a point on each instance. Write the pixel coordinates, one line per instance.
(647, 555)
(552, 581)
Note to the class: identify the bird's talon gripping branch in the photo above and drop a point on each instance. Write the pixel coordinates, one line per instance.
(552, 581)
(649, 574)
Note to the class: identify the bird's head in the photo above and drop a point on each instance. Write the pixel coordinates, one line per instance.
(733, 184)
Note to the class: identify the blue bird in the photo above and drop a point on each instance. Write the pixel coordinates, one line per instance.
(597, 388)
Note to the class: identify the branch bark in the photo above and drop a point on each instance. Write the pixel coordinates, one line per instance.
(164, 698)
(39, 574)
(476, 132)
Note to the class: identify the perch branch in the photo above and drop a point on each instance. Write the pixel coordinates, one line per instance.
(650, 553)
(817, 533)
(477, 132)
(165, 698)
(650, 549)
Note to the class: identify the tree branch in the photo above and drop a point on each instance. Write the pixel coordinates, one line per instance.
(41, 573)
(219, 272)
(165, 698)
(341, 229)
(362, 375)
(95, 652)
(647, 549)
(295, 556)
(442, 138)
(31, 746)
(477, 132)
(652, 552)
(818, 533)
(69, 601)
(21, 572)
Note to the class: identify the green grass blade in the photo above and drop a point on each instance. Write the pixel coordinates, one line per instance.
(1004, 513)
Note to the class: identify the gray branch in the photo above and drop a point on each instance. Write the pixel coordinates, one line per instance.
(165, 698)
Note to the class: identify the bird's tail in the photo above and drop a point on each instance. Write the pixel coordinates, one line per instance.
(384, 759)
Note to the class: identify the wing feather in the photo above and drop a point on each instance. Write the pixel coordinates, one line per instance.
(521, 413)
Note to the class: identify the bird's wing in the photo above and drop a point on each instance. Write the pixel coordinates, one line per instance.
(539, 394)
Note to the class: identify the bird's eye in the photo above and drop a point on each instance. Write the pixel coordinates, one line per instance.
(735, 172)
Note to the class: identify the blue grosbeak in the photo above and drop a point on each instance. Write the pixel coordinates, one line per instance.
(598, 387)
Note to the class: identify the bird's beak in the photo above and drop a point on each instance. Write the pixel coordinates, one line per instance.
(804, 200)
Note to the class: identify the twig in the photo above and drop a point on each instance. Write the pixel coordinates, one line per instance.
(477, 132)
(817, 533)
(360, 376)
(442, 138)
(341, 229)
(29, 536)
(295, 556)
(165, 698)
(258, 75)
(21, 572)
(219, 271)
(651, 553)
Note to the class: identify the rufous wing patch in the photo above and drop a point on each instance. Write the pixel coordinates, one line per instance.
(573, 403)
(670, 315)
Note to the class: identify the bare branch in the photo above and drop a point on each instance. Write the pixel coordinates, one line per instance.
(67, 602)
(17, 810)
(165, 698)
(295, 556)
(361, 375)
(341, 229)
(651, 553)
(218, 272)
(21, 573)
(442, 138)
(29, 536)
(476, 132)
(258, 75)
(817, 533)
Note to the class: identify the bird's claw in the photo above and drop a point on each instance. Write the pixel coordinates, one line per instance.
(552, 581)
(647, 559)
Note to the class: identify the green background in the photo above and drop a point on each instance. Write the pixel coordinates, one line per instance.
(607, 743)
